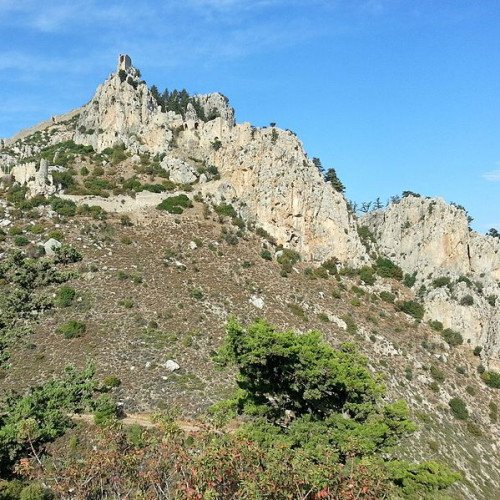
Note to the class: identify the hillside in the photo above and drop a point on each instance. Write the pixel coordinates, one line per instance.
(183, 218)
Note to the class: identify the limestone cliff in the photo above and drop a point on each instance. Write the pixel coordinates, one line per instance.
(433, 239)
(265, 172)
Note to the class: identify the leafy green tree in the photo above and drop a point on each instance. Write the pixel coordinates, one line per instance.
(332, 178)
(322, 404)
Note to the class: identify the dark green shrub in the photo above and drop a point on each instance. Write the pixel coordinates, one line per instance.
(492, 300)
(225, 210)
(196, 294)
(63, 207)
(409, 279)
(66, 254)
(436, 325)
(125, 221)
(35, 491)
(491, 379)
(105, 411)
(437, 374)
(175, 204)
(65, 296)
(367, 275)
(111, 381)
(467, 300)
(477, 350)
(441, 282)
(387, 297)
(458, 408)
(331, 266)
(266, 254)
(387, 269)
(452, 337)
(72, 329)
(21, 241)
(412, 308)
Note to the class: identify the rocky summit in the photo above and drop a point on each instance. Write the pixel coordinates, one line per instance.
(169, 217)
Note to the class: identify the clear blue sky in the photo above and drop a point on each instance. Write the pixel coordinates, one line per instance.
(396, 95)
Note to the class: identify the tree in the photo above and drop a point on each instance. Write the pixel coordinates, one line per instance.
(318, 165)
(365, 206)
(320, 403)
(493, 232)
(332, 178)
(377, 204)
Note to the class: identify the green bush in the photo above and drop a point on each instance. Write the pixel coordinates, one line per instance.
(491, 379)
(452, 337)
(21, 241)
(105, 410)
(111, 381)
(299, 394)
(409, 280)
(367, 275)
(467, 300)
(35, 491)
(477, 350)
(66, 254)
(458, 408)
(72, 329)
(437, 374)
(40, 415)
(441, 282)
(65, 296)
(412, 308)
(331, 266)
(63, 207)
(387, 269)
(225, 210)
(436, 325)
(387, 297)
(175, 204)
(266, 254)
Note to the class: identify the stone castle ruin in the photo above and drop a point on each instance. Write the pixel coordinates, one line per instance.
(124, 62)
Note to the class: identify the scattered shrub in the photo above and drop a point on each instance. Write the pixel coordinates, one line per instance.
(491, 379)
(412, 308)
(441, 282)
(387, 269)
(72, 329)
(266, 254)
(452, 337)
(175, 204)
(467, 300)
(458, 408)
(65, 296)
(387, 297)
(437, 374)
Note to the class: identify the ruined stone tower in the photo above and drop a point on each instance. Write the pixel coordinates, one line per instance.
(124, 62)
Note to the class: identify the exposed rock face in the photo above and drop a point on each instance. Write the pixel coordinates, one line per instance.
(124, 111)
(432, 238)
(38, 179)
(266, 172)
(216, 105)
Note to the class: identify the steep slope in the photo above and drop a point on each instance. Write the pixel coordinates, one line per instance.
(264, 171)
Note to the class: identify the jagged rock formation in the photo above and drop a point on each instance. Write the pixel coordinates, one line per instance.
(433, 239)
(266, 175)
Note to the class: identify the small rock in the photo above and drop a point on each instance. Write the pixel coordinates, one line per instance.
(256, 301)
(171, 365)
(50, 246)
(193, 245)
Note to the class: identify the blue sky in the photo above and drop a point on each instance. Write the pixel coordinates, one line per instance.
(395, 94)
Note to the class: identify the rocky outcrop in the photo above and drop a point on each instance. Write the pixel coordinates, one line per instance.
(37, 178)
(433, 239)
(123, 111)
(267, 175)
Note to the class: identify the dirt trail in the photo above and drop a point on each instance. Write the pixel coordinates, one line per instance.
(142, 419)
